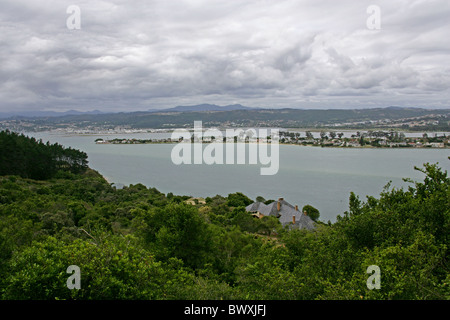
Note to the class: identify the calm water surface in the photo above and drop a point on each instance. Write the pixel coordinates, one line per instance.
(321, 177)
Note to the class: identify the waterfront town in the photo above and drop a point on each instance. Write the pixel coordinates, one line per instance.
(366, 139)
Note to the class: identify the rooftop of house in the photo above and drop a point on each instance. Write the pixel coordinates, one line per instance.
(285, 212)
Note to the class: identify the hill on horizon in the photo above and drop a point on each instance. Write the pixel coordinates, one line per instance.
(205, 107)
(212, 115)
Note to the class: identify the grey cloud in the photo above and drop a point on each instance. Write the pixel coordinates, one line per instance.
(341, 61)
(268, 53)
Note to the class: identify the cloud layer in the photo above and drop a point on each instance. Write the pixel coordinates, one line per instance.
(150, 54)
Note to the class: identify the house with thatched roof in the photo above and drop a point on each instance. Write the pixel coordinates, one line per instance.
(284, 211)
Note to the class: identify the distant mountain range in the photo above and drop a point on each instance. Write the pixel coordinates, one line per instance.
(195, 108)
(205, 107)
(42, 114)
(238, 116)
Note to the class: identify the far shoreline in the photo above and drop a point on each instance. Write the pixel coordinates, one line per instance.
(284, 144)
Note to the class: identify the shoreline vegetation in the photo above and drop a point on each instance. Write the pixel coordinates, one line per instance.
(370, 139)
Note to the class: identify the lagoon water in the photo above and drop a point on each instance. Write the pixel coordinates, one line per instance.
(321, 177)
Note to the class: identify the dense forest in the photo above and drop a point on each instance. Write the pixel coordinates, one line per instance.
(29, 158)
(138, 243)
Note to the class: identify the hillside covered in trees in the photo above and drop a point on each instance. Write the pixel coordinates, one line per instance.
(29, 158)
(138, 243)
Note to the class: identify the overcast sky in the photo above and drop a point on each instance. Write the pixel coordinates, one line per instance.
(140, 55)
